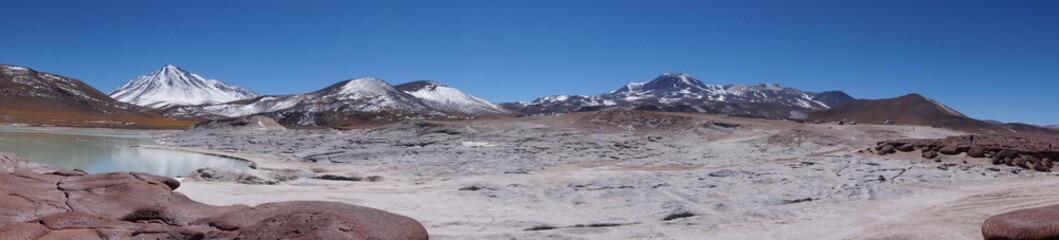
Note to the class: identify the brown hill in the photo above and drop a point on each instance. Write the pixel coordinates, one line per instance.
(914, 109)
(36, 98)
(911, 109)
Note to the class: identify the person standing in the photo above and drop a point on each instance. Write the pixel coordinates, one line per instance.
(972, 140)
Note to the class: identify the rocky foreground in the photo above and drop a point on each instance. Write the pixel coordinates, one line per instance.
(1028, 152)
(42, 202)
(631, 175)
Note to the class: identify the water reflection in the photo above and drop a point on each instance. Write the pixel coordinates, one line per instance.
(98, 153)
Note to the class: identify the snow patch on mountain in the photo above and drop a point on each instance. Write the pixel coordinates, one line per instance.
(945, 108)
(443, 98)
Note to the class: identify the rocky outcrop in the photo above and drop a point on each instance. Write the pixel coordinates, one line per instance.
(244, 176)
(43, 202)
(1023, 151)
(240, 123)
(1033, 223)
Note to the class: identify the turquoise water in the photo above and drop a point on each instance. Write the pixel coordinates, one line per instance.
(96, 152)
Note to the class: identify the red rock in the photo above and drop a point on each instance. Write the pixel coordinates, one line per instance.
(23, 231)
(930, 154)
(1007, 153)
(1033, 223)
(43, 202)
(950, 149)
(886, 149)
(316, 220)
(907, 147)
(1020, 162)
(976, 151)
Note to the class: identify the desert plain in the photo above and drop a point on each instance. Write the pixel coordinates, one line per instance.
(624, 175)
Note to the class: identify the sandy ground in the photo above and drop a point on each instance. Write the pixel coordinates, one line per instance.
(632, 175)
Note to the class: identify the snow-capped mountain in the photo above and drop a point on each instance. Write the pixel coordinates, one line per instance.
(356, 95)
(172, 86)
(448, 99)
(362, 95)
(684, 93)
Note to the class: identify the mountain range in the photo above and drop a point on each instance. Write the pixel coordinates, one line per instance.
(174, 98)
(679, 92)
(361, 95)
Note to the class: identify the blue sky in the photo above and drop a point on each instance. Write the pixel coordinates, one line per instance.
(987, 59)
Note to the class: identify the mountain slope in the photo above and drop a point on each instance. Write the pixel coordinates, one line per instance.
(911, 109)
(679, 92)
(31, 97)
(355, 95)
(448, 99)
(173, 86)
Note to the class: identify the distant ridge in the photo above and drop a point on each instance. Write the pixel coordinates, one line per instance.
(352, 101)
(680, 92)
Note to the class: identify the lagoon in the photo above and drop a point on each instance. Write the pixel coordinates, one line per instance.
(104, 151)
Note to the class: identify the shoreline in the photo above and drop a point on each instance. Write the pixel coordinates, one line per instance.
(216, 153)
(268, 163)
(86, 130)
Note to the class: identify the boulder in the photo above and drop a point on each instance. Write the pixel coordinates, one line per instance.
(1007, 153)
(996, 160)
(1040, 166)
(315, 220)
(1033, 223)
(1031, 158)
(1020, 162)
(976, 151)
(886, 149)
(930, 154)
(907, 147)
(244, 176)
(950, 149)
(43, 202)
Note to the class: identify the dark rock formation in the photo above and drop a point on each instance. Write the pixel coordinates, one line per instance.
(886, 149)
(1033, 223)
(930, 154)
(950, 149)
(1026, 151)
(256, 122)
(976, 151)
(1007, 153)
(43, 202)
(908, 147)
(244, 176)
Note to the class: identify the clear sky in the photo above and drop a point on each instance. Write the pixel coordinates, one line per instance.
(988, 59)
